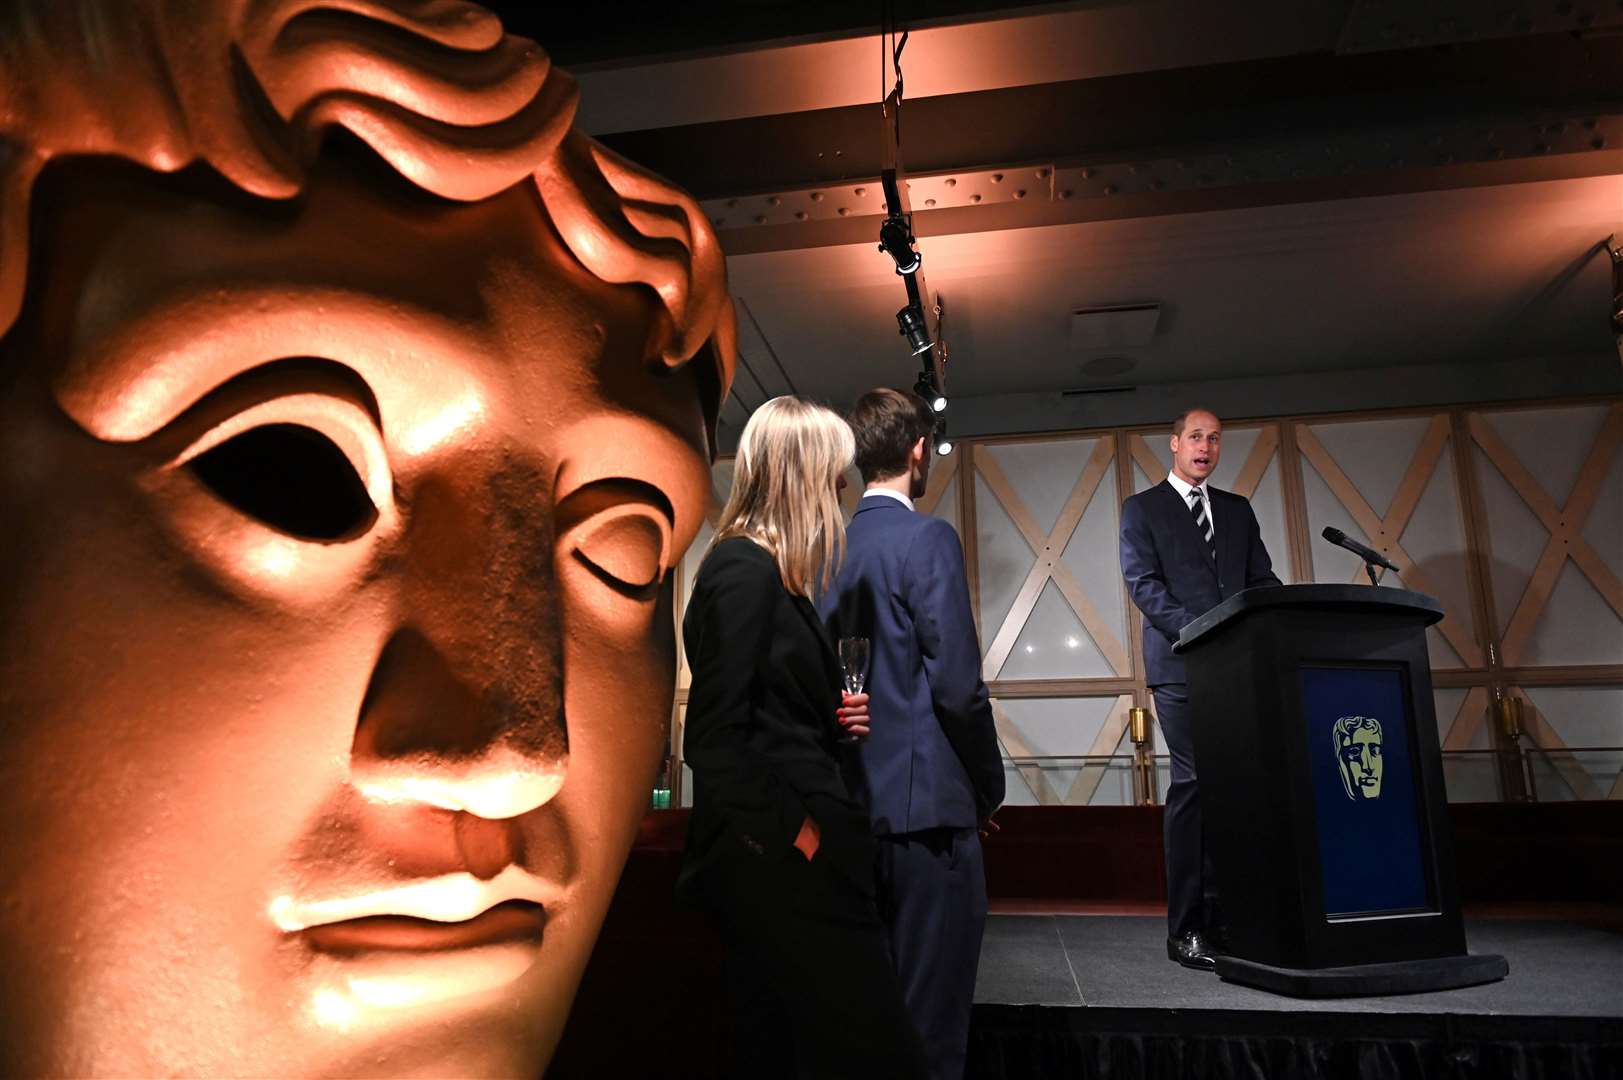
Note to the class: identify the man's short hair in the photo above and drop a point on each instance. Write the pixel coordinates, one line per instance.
(1182, 419)
(887, 423)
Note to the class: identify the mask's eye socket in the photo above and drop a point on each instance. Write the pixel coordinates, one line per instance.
(291, 477)
(626, 549)
(620, 530)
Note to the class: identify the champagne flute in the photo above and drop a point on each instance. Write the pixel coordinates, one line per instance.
(854, 665)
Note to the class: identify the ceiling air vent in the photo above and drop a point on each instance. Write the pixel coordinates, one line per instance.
(1119, 327)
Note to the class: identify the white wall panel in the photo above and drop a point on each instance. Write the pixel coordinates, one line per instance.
(1604, 527)
(1328, 563)
(1056, 728)
(1553, 557)
(1513, 538)
(1091, 553)
(1552, 443)
(1374, 454)
(1268, 503)
(1577, 626)
(1467, 777)
(1004, 559)
(1054, 645)
(1043, 473)
(947, 508)
(1581, 716)
(1435, 539)
(1140, 480)
(1386, 462)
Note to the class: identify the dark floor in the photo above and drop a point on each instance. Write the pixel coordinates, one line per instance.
(1557, 969)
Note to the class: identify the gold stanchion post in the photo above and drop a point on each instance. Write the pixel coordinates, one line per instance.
(1514, 778)
(1145, 782)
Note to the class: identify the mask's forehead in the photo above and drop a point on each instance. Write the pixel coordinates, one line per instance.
(469, 322)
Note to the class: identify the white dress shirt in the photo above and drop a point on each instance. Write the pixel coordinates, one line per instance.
(892, 493)
(1184, 489)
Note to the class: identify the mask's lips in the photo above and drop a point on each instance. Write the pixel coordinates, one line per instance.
(511, 921)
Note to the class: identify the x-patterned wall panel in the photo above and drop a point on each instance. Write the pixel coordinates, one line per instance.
(1464, 730)
(1060, 728)
(1051, 600)
(1519, 540)
(1552, 486)
(1391, 483)
(1570, 724)
(1552, 482)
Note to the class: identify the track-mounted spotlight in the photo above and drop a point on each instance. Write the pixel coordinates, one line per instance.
(925, 388)
(943, 444)
(911, 321)
(896, 240)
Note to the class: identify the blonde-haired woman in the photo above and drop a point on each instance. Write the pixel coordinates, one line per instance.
(778, 853)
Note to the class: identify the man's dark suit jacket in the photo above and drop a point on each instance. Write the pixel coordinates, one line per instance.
(931, 759)
(1171, 574)
(761, 726)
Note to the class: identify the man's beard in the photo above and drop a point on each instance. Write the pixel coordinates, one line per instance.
(918, 480)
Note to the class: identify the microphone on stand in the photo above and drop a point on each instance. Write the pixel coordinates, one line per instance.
(1369, 555)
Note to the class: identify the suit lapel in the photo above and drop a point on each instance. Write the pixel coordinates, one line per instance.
(1225, 533)
(1182, 507)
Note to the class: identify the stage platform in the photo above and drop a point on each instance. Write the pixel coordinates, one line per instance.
(1075, 980)
(1094, 995)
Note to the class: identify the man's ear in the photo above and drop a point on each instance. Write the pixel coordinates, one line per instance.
(920, 451)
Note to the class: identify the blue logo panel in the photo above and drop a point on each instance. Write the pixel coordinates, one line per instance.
(1361, 757)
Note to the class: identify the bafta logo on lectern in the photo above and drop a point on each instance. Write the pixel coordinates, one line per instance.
(1357, 743)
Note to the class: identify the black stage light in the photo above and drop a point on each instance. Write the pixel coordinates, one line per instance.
(896, 240)
(943, 444)
(911, 320)
(925, 388)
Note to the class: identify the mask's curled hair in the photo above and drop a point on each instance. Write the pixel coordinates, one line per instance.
(434, 87)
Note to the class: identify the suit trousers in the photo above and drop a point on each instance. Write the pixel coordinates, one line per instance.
(932, 901)
(1191, 883)
(808, 972)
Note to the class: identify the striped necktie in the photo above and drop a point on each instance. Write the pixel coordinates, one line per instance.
(1203, 520)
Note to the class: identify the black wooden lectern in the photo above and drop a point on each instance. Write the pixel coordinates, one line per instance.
(1321, 788)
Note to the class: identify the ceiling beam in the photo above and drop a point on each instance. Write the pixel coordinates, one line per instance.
(1123, 115)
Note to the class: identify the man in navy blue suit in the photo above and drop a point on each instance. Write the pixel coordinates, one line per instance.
(1185, 547)
(930, 771)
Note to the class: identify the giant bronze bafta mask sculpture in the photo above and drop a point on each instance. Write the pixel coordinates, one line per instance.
(352, 410)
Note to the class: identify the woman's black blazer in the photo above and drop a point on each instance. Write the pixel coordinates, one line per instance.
(761, 730)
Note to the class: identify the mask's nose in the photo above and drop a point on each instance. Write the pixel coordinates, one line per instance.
(431, 735)
(465, 706)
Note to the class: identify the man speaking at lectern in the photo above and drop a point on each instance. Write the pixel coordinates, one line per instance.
(1185, 548)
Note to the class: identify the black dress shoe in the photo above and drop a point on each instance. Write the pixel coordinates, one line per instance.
(1217, 940)
(1192, 951)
